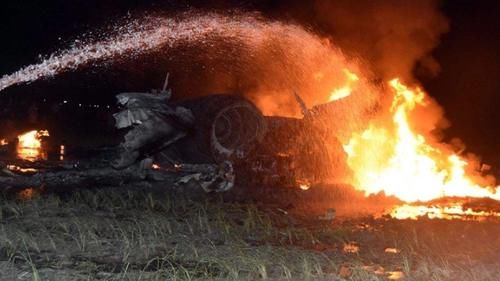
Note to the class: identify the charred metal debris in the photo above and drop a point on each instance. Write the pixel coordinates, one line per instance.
(213, 141)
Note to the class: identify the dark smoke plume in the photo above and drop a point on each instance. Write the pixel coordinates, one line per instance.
(392, 35)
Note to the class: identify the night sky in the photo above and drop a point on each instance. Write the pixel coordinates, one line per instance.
(468, 85)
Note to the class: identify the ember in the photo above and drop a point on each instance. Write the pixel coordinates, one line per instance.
(351, 248)
(304, 186)
(392, 250)
(26, 194)
(15, 168)
(395, 275)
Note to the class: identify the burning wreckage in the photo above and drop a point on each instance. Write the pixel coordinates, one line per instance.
(212, 140)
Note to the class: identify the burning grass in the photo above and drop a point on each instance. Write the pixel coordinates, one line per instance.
(136, 234)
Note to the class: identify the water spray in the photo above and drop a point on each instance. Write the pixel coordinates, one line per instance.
(139, 37)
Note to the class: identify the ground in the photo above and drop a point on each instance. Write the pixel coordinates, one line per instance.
(160, 233)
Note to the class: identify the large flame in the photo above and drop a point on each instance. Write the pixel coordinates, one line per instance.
(394, 159)
(29, 146)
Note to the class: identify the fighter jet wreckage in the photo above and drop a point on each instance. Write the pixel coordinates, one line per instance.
(214, 141)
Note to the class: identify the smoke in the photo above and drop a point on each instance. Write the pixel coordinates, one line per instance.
(395, 39)
(378, 40)
(269, 67)
(269, 60)
(393, 36)
(264, 59)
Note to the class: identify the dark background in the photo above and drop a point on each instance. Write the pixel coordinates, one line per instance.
(468, 86)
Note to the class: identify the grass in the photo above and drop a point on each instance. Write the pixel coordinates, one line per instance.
(146, 234)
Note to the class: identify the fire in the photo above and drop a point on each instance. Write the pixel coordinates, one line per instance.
(394, 159)
(455, 211)
(346, 90)
(351, 248)
(29, 146)
(3, 142)
(304, 186)
(15, 168)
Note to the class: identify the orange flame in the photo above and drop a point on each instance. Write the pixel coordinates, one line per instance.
(455, 211)
(346, 90)
(15, 168)
(29, 146)
(398, 161)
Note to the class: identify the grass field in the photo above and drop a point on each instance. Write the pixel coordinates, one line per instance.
(162, 234)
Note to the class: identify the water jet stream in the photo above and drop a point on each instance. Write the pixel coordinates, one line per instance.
(142, 36)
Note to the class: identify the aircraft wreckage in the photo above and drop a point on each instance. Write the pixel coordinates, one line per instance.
(214, 141)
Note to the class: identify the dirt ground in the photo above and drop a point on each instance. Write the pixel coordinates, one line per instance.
(162, 233)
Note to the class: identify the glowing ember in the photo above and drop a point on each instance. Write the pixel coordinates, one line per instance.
(392, 251)
(3, 142)
(440, 212)
(15, 168)
(26, 194)
(29, 146)
(394, 159)
(395, 275)
(351, 248)
(304, 186)
(346, 90)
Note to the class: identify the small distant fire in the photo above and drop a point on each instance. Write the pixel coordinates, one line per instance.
(3, 142)
(29, 146)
